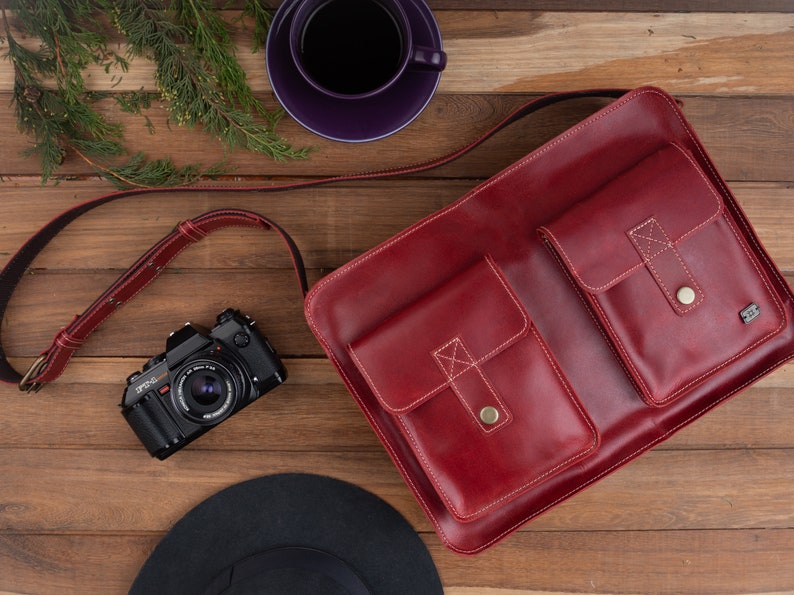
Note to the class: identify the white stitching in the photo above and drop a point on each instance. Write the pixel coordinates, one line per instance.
(536, 480)
(545, 230)
(471, 363)
(448, 363)
(637, 377)
(648, 258)
(464, 199)
(58, 351)
(407, 477)
(353, 264)
(484, 358)
(625, 459)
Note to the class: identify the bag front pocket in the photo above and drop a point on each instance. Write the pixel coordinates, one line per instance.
(670, 280)
(475, 391)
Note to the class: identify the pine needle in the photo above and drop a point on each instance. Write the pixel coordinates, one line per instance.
(196, 71)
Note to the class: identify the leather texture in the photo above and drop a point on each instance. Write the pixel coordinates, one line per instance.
(635, 243)
(550, 292)
(467, 346)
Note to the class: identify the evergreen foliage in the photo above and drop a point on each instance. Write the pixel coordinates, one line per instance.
(196, 72)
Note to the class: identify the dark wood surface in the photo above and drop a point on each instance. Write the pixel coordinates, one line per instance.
(82, 504)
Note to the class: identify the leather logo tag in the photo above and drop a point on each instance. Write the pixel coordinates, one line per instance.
(750, 313)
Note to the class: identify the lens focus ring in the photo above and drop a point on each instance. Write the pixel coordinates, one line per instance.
(205, 391)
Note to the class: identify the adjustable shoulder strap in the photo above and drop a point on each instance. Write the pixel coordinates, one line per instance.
(50, 364)
(52, 361)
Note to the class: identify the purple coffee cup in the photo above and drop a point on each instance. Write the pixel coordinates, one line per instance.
(353, 49)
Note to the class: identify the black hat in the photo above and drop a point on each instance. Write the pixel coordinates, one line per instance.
(290, 534)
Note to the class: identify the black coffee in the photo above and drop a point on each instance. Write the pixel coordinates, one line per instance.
(351, 46)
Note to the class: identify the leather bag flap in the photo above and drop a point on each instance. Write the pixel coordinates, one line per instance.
(463, 323)
(637, 216)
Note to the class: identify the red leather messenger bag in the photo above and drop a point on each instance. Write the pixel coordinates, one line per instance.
(557, 321)
(548, 327)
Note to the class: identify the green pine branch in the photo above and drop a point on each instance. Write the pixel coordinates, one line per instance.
(196, 72)
(212, 44)
(201, 86)
(261, 17)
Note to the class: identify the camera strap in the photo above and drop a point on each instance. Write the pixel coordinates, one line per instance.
(51, 362)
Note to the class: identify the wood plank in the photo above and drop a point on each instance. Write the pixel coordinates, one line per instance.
(619, 5)
(727, 125)
(720, 53)
(273, 300)
(750, 420)
(591, 5)
(86, 564)
(330, 224)
(597, 5)
(748, 137)
(313, 411)
(101, 490)
(104, 490)
(540, 562)
(295, 417)
(771, 212)
(720, 562)
(47, 302)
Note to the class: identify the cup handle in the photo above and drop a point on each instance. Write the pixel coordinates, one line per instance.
(425, 58)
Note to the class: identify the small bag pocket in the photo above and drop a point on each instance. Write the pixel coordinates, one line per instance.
(668, 276)
(475, 391)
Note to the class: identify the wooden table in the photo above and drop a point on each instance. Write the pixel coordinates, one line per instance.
(81, 502)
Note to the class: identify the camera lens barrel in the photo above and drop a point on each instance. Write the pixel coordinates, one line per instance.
(206, 390)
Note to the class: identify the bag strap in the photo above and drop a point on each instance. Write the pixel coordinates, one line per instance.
(51, 362)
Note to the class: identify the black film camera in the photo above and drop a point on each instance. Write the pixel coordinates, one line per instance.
(202, 378)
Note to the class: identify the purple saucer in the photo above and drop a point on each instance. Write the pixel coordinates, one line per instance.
(355, 119)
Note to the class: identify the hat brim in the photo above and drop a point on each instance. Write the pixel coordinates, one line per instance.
(290, 533)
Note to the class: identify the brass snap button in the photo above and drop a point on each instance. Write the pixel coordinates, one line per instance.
(685, 295)
(489, 415)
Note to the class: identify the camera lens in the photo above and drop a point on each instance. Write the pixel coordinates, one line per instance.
(206, 390)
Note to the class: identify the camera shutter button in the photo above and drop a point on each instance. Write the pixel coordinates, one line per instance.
(241, 339)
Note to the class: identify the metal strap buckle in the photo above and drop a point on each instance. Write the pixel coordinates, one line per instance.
(36, 367)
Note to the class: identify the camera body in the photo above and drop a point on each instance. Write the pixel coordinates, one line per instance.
(201, 379)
